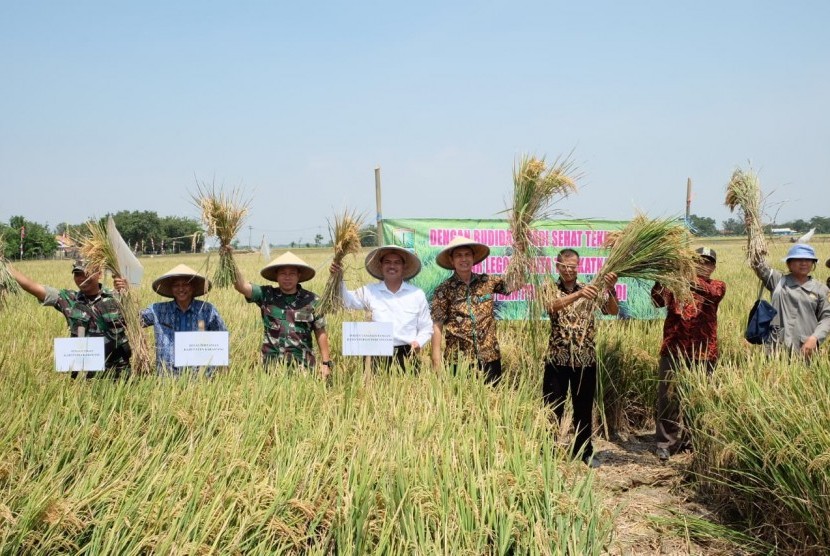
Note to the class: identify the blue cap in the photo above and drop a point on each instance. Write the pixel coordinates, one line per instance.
(801, 251)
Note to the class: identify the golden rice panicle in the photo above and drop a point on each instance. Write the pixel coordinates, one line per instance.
(223, 214)
(537, 186)
(346, 239)
(95, 247)
(744, 193)
(8, 285)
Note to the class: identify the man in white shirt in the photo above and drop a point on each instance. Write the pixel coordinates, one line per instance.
(394, 300)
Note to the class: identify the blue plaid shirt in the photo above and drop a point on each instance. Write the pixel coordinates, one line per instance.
(166, 319)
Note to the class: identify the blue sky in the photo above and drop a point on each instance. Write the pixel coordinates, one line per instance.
(108, 106)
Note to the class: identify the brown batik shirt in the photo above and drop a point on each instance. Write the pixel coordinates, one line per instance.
(466, 313)
(573, 330)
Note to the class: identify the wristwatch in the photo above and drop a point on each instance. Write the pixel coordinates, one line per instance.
(328, 364)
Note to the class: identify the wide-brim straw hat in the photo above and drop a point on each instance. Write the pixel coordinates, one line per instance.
(444, 258)
(269, 271)
(411, 263)
(163, 285)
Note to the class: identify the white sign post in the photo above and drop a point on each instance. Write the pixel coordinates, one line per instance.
(367, 338)
(200, 349)
(79, 354)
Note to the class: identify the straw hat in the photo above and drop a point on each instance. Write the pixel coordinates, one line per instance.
(411, 263)
(444, 258)
(269, 271)
(827, 263)
(163, 285)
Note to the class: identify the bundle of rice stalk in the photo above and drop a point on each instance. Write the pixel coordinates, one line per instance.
(100, 256)
(536, 186)
(222, 215)
(657, 250)
(345, 236)
(744, 192)
(8, 285)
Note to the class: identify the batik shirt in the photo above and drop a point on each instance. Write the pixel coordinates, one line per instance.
(573, 330)
(100, 316)
(691, 330)
(466, 313)
(167, 318)
(289, 322)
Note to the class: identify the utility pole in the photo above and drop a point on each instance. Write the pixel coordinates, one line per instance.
(379, 238)
(688, 199)
(249, 237)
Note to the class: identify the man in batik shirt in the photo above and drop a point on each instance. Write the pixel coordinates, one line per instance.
(690, 337)
(462, 310)
(91, 310)
(289, 315)
(571, 362)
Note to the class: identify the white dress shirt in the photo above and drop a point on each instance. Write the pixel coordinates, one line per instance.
(407, 309)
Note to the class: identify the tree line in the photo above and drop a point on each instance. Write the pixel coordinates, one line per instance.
(145, 231)
(705, 226)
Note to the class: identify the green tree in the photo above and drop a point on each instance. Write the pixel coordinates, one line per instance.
(179, 230)
(821, 224)
(39, 241)
(368, 235)
(318, 240)
(734, 226)
(703, 226)
(136, 226)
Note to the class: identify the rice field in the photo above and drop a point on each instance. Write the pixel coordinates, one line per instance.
(254, 463)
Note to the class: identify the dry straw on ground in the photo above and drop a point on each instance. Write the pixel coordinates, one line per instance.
(222, 215)
(744, 192)
(536, 187)
(100, 256)
(345, 236)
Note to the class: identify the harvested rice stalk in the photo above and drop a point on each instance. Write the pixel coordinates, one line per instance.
(99, 253)
(744, 192)
(657, 250)
(536, 186)
(345, 236)
(8, 285)
(222, 215)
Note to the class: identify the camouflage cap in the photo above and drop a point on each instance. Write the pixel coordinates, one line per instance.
(79, 265)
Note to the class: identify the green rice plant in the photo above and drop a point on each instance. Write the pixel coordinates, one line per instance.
(8, 285)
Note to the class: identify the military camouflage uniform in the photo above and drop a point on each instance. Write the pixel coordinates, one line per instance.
(100, 316)
(466, 313)
(289, 321)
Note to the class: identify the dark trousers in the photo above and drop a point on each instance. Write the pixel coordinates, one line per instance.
(582, 384)
(401, 358)
(492, 370)
(670, 432)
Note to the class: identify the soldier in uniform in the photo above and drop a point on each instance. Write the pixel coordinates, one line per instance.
(289, 314)
(462, 309)
(91, 310)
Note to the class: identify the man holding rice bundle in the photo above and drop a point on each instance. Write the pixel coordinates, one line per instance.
(394, 300)
(690, 337)
(91, 310)
(802, 302)
(462, 310)
(289, 314)
(183, 313)
(571, 361)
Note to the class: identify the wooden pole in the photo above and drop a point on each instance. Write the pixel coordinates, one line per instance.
(688, 199)
(379, 240)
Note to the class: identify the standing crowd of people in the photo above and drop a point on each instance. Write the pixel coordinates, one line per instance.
(459, 322)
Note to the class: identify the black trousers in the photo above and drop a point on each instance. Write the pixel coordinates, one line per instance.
(402, 357)
(582, 384)
(492, 370)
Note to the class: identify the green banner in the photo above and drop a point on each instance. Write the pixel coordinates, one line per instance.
(427, 237)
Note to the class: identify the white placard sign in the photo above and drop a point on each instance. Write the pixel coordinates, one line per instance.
(200, 349)
(79, 354)
(367, 338)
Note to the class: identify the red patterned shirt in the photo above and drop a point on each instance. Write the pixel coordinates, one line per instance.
(691, 330)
